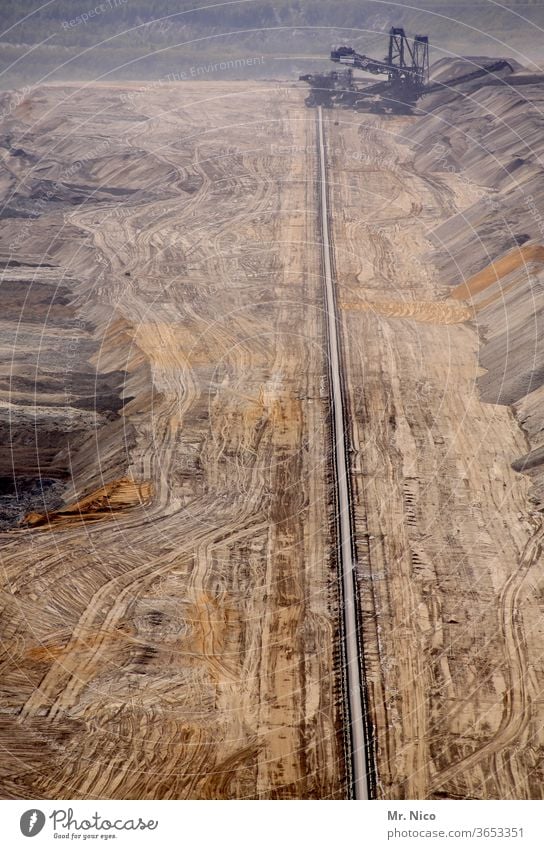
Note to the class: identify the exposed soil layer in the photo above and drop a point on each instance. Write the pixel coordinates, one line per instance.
(18, 495)
(492, 251)
(115, 496)
(53, 398)
(169, 631)
(449, 544)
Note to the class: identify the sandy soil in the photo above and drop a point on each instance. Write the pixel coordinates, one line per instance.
(184, 646)
(172, 632)
(449, 555)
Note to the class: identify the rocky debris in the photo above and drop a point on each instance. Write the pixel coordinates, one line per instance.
(21, 494)
(114, 497)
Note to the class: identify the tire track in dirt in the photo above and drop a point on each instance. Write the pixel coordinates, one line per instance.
(517, 712)
(185, 648)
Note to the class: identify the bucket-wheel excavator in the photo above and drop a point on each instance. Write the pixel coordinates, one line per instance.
(406, 68)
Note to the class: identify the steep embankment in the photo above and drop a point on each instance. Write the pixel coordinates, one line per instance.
(70, 365)
(492, 252)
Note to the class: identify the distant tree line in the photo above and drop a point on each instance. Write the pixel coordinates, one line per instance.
(143, 39)
(29, 21)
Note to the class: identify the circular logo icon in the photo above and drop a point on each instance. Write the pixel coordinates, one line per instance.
(32, 822)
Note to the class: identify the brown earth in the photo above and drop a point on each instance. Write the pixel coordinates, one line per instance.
(492, 273)
(115, 496)
(449, 551)
(187, 646)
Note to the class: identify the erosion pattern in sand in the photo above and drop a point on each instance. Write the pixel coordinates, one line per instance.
(449, 553)
(178, 641)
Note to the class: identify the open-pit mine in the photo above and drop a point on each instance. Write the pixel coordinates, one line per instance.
(201, 284)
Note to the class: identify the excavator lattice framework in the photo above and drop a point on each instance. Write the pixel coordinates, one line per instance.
(406, 68)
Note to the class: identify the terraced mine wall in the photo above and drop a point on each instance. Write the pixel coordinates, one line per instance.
(64, 381)
(69, 364)
(492, 252)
